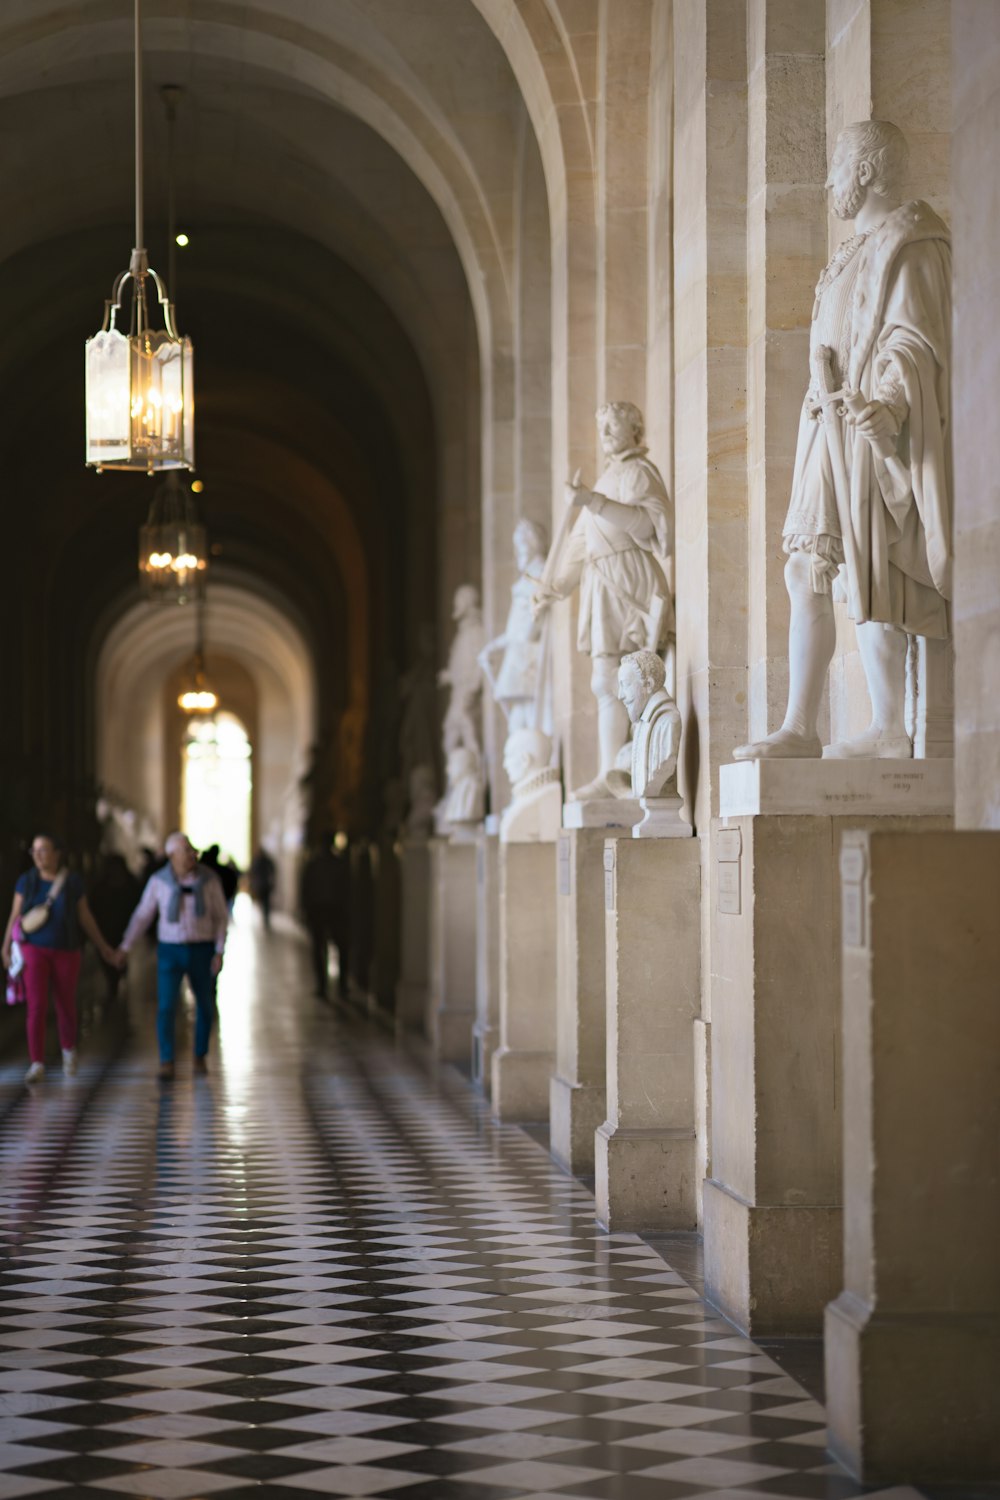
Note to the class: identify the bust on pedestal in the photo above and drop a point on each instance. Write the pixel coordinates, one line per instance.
(535, 813)
(460, 810)
(652, 755)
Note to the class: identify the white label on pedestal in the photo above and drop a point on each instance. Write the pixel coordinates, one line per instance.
(728, 845)
(609, 880)
(730, 904)
(853, 896)
(564, 886)
(480, 864)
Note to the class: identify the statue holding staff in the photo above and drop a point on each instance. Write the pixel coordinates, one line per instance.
(871, 493)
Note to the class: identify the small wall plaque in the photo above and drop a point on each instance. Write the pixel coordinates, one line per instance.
(609, 879)
(729, 865)
(854, 896)
(564, 861)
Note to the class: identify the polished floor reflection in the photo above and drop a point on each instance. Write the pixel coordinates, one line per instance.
(320, 1271)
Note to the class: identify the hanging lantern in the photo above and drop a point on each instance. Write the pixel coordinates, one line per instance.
(173, 546)
(198, 697)
(140, 379)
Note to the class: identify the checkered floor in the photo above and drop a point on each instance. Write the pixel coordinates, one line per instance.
(317, 1271)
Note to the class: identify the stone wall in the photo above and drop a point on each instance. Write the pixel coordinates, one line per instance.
(976, 39)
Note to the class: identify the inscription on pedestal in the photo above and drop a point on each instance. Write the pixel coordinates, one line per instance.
(564, 876)
(853, 896)
(609, 879)
(728, 854)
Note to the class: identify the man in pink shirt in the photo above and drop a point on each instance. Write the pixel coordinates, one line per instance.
(188, 901)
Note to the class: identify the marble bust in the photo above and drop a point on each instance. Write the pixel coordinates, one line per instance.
(535, 812)
(463, 675)
(462, 806)
(655, 746)
(870, 507)
(511, 661)
(617, 557)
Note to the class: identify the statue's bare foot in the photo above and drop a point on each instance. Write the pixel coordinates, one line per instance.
(872, 745)
(784, 744)
(591, 790)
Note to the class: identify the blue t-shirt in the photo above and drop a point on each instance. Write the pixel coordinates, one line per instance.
(62, 930)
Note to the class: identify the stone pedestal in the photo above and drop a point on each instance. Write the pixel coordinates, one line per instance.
(772, 1206)
(645, 1150)
(913, 1341)
(486, 1028)
(451, 997)
(411, 987)
(578, 1102)
(522, 1065)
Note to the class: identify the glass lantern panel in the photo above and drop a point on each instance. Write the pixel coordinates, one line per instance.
(146, 399)
(187, 365)
(169, 359)
(107, 400)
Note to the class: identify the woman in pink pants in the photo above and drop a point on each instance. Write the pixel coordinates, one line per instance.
(52, 951)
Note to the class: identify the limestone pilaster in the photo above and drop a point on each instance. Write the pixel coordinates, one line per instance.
(451, 992)
(786, 250)
(522, 1064)
(913, 1340)
(645, 1152)
(486, 1028)
(578, 1098)
(414, 955)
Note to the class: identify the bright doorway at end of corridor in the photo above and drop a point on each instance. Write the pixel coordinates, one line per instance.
(217, 786)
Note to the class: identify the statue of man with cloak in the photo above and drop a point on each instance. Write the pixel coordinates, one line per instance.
(618, 557)
(871, 492)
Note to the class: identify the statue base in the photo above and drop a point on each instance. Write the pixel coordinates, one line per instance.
(879, 788)
(663, 820)
(602, 812)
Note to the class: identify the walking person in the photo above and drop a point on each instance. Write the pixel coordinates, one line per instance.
(50, 917)
(187, 900)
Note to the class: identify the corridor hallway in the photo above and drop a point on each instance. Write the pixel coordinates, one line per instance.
(318, 1270)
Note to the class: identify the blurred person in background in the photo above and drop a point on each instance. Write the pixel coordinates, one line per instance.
(186, 899)
(49, 917)
(324, 898)
(262, 881)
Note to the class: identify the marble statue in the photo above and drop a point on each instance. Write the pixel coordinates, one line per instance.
(617, 557)
(535, 813)
(652, 756)
(511, 661)
(462, 806)
(871, 504)
(463, 674)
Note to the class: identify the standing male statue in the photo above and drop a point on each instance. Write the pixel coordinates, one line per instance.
(871, 493)
(617, 556)
(512, 661)
(463, 675)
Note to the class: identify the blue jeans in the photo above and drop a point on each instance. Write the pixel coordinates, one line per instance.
(173, 961)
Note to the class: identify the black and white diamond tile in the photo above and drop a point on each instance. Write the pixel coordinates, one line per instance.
(317, 1272)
